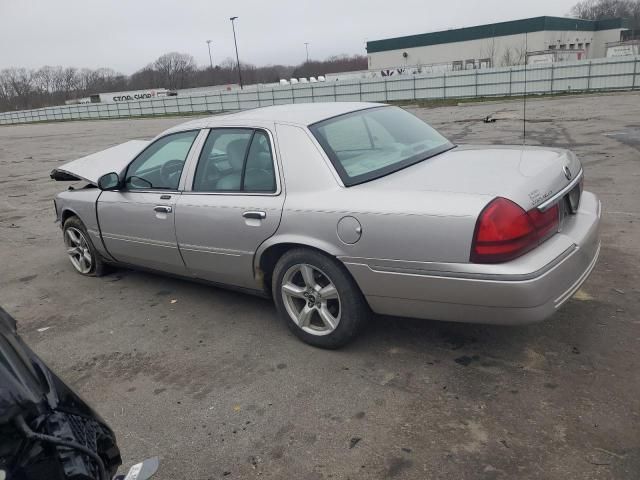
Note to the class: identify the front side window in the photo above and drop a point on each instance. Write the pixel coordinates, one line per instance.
(235, 160)
(371, 143)
(160, 165)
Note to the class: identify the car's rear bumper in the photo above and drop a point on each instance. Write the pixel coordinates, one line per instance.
(526, 290)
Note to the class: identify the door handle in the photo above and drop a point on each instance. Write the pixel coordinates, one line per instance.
(255, 214)
(162, 209)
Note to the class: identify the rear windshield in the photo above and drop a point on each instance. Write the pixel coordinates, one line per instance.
(371, 143)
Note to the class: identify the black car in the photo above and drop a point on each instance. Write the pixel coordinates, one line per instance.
(46, 430)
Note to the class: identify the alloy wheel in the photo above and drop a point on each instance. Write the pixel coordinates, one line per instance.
(311, 299)
(78, 250)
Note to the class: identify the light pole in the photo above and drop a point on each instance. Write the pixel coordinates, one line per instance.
(306, 45)
(233, 26)
(210, 59)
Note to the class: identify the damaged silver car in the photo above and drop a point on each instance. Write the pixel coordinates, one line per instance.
(336, 210)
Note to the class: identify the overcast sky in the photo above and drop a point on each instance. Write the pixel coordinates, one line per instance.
(127, 35)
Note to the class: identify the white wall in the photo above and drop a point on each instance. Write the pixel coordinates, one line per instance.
(477, 49)
(600, 74)
(601, 38)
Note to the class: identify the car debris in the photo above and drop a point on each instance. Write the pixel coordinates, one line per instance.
(46, 429)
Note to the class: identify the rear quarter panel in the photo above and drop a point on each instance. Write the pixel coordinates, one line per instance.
(423, 226)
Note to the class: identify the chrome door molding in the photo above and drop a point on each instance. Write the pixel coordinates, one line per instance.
(213, 250)
(145, 241)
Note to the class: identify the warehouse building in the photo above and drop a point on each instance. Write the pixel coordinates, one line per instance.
(498, 44)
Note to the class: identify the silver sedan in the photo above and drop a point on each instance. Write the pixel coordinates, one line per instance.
(336, 210)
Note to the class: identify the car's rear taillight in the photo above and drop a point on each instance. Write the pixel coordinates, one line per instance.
(505, 231)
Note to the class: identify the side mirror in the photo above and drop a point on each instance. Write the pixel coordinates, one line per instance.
(109, 181)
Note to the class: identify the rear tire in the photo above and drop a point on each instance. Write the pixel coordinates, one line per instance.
(84, 257)
(317, 299)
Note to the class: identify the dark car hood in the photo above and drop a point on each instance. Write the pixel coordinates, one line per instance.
(26, 383)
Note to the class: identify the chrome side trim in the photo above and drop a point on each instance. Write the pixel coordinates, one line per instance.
(215, 251)
(144, 241)
(232, 194)
(159, 191)
(550, 201)
(470, 275)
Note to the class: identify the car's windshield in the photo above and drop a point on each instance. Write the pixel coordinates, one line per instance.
(368, 144)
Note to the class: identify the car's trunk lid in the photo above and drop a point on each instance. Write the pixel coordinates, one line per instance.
(92, 167)
(528, 176)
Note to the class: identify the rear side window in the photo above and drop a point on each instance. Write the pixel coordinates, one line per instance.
(235, 160)
(259, 174)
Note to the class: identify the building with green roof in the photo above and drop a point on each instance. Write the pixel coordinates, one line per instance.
(498, 44)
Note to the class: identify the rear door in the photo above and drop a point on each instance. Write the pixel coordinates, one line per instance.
(231, 204)
(137, 223)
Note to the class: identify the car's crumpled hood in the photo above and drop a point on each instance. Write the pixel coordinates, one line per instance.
(526, 175)
(92, 167)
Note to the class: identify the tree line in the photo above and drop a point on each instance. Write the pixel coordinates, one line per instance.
(22, 88)
(601, 9)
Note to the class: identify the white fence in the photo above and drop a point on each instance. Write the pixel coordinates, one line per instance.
(589, 75)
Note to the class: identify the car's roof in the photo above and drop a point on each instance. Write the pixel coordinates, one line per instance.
(298, 113)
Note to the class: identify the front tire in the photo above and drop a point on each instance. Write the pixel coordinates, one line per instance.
(83, 255)
(318, 299)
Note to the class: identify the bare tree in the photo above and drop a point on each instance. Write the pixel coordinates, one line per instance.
(174, 68)
(70, 80)
(52, 85)
(43, 79)
(600, 9)
(489, 50)
(335, 64)
(597, 9)
(18, 84)
(513, 56)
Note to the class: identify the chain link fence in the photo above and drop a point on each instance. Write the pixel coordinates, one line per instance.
(583, 76)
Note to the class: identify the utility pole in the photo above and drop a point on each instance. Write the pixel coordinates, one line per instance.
(210, 59)
(233, 26)
(306, 44)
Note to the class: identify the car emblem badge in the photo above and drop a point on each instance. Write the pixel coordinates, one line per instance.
(311, 299)
(567, 172)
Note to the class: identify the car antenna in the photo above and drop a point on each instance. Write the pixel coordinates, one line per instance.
(524, 96)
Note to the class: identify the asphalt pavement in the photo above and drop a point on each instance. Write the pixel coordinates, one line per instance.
(212, 382)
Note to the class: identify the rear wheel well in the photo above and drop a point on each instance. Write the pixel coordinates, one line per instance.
(270, 257)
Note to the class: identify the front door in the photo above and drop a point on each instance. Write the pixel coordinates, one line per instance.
(137, 223)
(235, 204)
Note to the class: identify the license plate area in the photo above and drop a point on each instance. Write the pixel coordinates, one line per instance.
(573, 198)
(569, 204)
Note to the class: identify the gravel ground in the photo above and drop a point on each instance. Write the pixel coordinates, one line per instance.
(215, 385)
